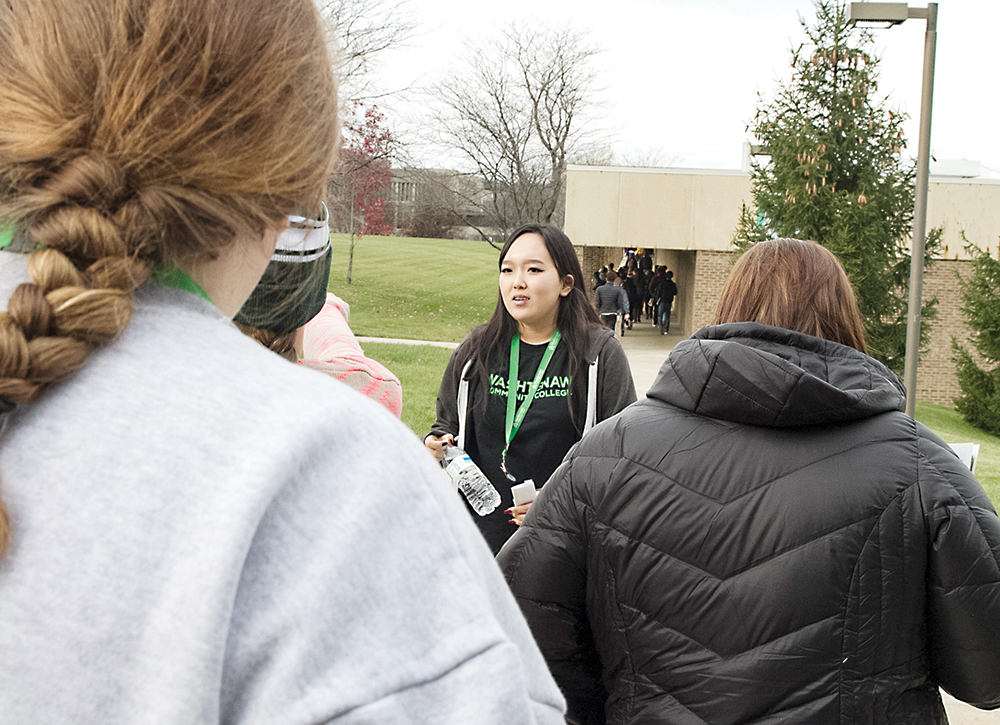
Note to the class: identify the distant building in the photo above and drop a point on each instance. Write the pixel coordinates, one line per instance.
(688, 218)
(437, 203)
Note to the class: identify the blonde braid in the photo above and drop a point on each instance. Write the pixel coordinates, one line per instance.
(55, 321)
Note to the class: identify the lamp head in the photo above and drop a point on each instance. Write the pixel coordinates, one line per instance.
(876, 15)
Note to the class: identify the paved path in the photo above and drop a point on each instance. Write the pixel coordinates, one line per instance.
(646, 349)
(397, 341)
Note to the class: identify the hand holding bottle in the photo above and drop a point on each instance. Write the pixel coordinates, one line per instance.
(436, 444)
(471, 481)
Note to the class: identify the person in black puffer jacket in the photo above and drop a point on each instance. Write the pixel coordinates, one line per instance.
(767, 537)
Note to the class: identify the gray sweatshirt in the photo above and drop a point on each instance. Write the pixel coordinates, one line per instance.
(205, 533)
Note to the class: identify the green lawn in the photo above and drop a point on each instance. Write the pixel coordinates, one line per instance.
(417, 289)
(419, 369)
(948, 424)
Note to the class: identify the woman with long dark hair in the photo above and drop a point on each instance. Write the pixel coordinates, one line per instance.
(543, 320)
(767, 537)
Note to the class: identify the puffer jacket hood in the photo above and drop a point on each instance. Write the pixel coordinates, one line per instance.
(774, 377)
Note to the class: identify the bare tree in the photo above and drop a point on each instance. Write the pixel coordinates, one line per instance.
(595, 155)
(654, 158)
(362, 30)
(516, 112)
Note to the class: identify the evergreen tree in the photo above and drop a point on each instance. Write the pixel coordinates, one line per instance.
(980, 400)
(830, 169)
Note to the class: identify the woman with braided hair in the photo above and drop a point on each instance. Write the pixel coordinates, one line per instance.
(192, 529)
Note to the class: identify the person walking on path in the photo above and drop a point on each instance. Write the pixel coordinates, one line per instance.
(632, 293)
(642, 289)
(767, 536)
(625, 306)
(646, 262)
(535, 377)
(611, 301)
(668, 291)
(655, 292)
(192, 530)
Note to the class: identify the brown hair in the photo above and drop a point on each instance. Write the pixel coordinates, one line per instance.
(793, 284)
(282, 343)
(140, 132)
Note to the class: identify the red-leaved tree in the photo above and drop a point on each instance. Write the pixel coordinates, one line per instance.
(363, 175)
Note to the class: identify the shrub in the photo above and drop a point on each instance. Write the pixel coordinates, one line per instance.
(979, 369)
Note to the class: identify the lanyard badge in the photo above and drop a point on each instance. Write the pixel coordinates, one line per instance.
(515, 415)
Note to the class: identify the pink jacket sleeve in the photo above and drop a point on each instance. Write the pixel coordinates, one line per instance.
(329, 346)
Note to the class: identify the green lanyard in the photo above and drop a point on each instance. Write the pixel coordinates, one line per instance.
(173, 277)
(167, 276)
(6, 235)
(513, 422)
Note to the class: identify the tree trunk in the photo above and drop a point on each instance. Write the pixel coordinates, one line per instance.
(350, 255)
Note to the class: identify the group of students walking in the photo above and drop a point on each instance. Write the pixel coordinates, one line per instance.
(193, 530)
(624, 295)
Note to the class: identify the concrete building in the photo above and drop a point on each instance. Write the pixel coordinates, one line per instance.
(688, 217)
(437, 203)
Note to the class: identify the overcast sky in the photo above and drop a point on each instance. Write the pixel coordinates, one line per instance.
(681, 76)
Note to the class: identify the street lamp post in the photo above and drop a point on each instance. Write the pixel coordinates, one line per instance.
(889, 14)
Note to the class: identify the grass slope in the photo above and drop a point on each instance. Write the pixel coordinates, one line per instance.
(419, 369)
(417, 289)
(952, 428)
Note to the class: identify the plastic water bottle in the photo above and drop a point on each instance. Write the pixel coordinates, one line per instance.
(471, 481)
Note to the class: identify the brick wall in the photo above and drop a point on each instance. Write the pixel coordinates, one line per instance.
(592, 258)
(936, 380)
(710, 272)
